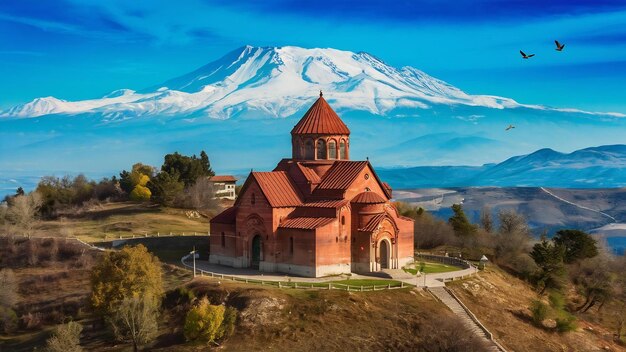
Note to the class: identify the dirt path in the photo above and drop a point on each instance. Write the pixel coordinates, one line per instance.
(578, 205)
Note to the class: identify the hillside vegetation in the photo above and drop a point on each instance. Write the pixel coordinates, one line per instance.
(501, 302)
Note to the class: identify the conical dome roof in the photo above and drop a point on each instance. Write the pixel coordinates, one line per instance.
(368, 198)
(320, 119)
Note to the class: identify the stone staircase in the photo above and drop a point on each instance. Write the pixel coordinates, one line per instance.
(442, 294)
(398, 274)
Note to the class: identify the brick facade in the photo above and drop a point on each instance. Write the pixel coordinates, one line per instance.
(317, 213)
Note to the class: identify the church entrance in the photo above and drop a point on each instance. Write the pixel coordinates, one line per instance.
(384, 255)
(256, 252)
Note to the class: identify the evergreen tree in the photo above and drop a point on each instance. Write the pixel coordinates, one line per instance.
(549, 259)
(189, 168)
(165, 187)
(578, 245)
(459, 222)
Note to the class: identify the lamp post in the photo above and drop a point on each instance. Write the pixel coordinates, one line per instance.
(193, 255)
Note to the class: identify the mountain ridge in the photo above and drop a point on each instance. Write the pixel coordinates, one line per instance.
(278, 82)
(593, 167)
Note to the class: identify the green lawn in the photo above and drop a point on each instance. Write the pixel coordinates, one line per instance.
(339, 284)
(433, 268)
(367, 282)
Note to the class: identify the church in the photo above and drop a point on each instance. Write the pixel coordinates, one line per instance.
(317, 213)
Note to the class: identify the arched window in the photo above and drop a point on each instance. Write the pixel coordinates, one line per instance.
(297, 148)
(309, 151)
(290, 245)
(343, 220)
(223, 240)
(321, 149)
(332, 150)
(342, 150)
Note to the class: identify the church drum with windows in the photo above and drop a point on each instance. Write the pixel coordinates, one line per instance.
(317, 213)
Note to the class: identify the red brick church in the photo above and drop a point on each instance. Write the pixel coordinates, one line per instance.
(318, 213)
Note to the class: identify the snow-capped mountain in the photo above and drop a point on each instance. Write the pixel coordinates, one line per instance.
(276, 82)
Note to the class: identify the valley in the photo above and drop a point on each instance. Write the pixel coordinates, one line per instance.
(599, 211)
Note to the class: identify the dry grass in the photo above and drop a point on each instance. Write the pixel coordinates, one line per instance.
(110, 220)
(318, 320)
(501, 302)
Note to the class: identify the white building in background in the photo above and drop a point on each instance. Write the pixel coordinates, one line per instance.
(224, 186)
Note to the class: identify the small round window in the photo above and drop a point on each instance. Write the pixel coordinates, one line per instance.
(367, 189)
(367, 176)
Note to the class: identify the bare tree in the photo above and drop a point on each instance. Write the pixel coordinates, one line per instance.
(22, 211)
(8, 288)
(200, 195)
(66, 338)
(135, 320)
(512, 242)
(431, 232)
(486, 220)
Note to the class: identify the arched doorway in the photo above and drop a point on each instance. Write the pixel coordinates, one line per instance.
(255, 260)
(384, 255)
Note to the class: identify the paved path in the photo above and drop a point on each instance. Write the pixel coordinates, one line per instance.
(432, 280)
(439, 279)
(444, 296)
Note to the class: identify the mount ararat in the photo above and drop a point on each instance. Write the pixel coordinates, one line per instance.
(241, 107)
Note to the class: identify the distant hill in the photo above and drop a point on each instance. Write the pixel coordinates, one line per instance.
(596, 167)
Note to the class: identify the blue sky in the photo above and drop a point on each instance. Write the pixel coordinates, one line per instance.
(77, 49)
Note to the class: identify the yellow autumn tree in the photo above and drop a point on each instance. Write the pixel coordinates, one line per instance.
(122, 275)
(141, 191)
(204, 322)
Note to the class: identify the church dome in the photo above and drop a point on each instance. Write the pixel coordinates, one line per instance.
(321, 119)
(368, 198)
(320, 135)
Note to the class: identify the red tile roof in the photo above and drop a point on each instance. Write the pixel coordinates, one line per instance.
(226, 217)
(310, 175)
(368, 198)
(223, 178)
(341, 174)
(330, 203)
(306, 223)
(320, 119)
(372, 225)
(278, 189)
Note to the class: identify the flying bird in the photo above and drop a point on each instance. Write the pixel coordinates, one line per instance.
(559, 46)
(509, 128)
(524, 56)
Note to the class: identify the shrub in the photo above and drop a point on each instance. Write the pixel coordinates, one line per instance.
(449, 335)
(204, 321)
(539, 311)
(557, 300)
(65, 338)
(186, 295)
(228, 324)
(566, 322)
(8, 320)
